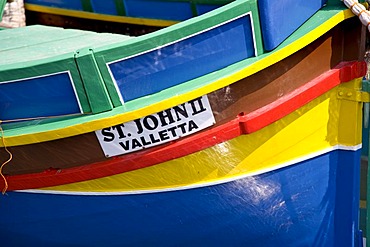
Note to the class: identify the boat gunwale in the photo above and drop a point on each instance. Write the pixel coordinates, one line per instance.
(180, 93)
(243, 124)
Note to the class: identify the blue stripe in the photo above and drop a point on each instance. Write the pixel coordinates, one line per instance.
(51, 95)
(107, 7)
(162, 10)
(281, 19)
(185, 60)
(204, 8)
(313, 203)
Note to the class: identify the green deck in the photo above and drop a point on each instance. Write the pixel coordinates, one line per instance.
(33, 43)
(2, 6)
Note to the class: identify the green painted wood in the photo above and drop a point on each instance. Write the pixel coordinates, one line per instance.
(36, 35)
(2, 6)
(37, 45)
(86, 5)
(34, 51)
(363, 221)
(93, 82)
(121, 11)
(63, 63)
(193, 7)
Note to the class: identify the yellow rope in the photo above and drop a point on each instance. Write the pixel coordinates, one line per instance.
(6, 162)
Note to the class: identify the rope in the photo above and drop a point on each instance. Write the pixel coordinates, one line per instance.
(6, 162)
(359, 10)
(7, 150)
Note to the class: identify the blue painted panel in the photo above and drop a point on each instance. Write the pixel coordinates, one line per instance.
(166, 10)
(204, 8)
(280, 18)
(347, 198)
(185, 60)
(104, 7)
(38, 97)
(313, 203)
(73, 4)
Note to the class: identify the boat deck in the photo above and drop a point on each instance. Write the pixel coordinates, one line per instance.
(43, 42)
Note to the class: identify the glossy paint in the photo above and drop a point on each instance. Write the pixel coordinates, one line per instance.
(189, 90)
(301, 205)
(294, 181)
(279, 19)
(27, 98)
(293, 188)
(200, 54)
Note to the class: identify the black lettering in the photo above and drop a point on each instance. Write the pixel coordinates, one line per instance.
(152, 138)
(173, 131)
(163, 135)
(192, 125)
(178, 110)
(136, 143)
(138, 126)
(119, 129)
(166, 114)
(154, 122)
(108, 135)
(197, 102)
(125, 145)
(143, 141)
(182, 127)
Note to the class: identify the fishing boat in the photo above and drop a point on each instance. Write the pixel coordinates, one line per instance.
(221, 130)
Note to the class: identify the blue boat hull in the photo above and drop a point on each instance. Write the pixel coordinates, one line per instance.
(300, 205)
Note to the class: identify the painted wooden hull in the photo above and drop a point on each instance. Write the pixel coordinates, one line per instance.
(276, 185)
(253, 105)
(294, 205)
(274, 161)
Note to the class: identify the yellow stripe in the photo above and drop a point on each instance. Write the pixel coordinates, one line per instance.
(312, 129)
(362, 203)
(350, 132)
(100, 17)
(26, 138)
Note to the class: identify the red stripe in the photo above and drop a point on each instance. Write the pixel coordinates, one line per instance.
(243, 124)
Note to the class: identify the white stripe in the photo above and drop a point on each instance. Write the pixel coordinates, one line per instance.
(35, 77)
(194, 186)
